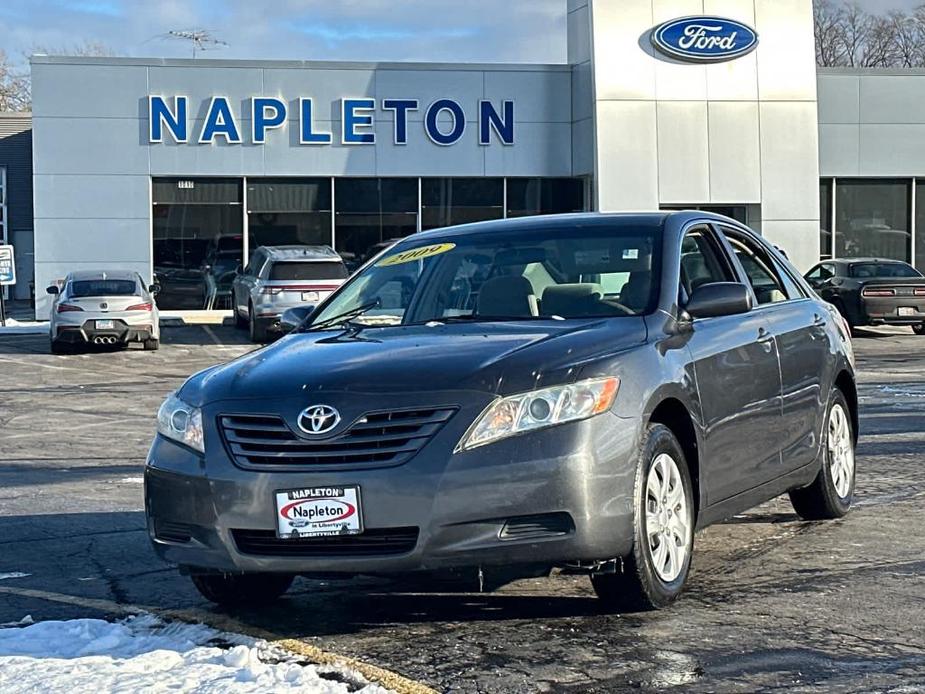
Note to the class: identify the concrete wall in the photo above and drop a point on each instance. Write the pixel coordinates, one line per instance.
(737, 132)
(871, 123)
(93, 162)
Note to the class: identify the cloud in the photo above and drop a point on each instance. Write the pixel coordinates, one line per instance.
(363, 30)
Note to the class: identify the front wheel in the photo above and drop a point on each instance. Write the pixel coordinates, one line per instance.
(919, 329)
(654, 574)
(241, 589)
(831, 493)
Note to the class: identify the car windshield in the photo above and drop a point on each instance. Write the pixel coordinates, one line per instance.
(308, 270)
(862, 270)
(83, 288)
(523, 273)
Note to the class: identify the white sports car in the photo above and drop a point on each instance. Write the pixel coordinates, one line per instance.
(103, 308)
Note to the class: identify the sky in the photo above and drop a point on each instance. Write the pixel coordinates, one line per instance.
(424, 30)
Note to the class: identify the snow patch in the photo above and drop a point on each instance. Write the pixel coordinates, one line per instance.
(13, 574)
(15, 327)
(144, 653)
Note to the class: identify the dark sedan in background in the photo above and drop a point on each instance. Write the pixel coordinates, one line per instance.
(582, 391)
(872, 291)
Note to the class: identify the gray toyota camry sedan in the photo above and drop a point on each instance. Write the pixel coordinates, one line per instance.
(578, 391)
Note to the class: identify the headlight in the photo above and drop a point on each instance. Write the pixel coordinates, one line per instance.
(539, 409)
(181, 422)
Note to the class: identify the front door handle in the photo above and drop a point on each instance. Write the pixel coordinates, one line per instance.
(818, 320)
(765, 339)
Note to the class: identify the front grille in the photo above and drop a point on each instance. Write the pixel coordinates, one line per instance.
(377, 439)
(373, 542)
(170, 531)
(537, 527)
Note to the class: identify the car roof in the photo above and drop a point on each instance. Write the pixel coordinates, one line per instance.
(295, 252)
(83, 275)
(562, 221)
(857, 261)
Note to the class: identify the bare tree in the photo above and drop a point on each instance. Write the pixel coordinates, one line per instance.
(14, 87)
(847, 36)
(828, 19)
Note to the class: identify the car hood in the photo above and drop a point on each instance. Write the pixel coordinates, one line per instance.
(497, 358)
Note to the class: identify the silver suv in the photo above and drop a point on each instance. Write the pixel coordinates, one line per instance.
(280, 277)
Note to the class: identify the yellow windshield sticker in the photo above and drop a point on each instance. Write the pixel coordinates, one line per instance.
(416, 254)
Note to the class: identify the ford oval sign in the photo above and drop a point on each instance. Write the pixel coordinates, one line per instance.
(704, 39)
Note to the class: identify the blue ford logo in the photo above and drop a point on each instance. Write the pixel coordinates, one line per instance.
(704, 39)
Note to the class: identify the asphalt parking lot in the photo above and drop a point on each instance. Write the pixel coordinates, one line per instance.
(773, 602)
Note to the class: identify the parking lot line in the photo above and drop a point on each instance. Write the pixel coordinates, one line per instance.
(386, 678)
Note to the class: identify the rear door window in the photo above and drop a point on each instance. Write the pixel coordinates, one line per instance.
(314, 270)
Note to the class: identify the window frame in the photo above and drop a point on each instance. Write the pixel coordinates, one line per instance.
(719, 247)
(725, 231)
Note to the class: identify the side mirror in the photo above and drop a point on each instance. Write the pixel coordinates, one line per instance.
(53, 289)
(719, 299)
(154, 289)
(292, 318)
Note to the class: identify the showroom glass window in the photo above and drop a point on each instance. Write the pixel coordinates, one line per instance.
(369, 211)
(825, 218)
(920, 226)
(872, 218)
(198, 241)
(448, 201)
(284, 211)
(530, 196)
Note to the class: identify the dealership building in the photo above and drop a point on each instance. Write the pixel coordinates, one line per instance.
(179, 169)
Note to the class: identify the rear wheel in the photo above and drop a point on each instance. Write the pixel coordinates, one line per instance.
(919, 329)
(257, 332)
(152, 343)
(239, 320)
(242, 589)
(654, 574)
(60, 347)
(831, 493)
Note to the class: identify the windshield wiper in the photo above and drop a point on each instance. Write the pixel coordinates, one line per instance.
(345, 317)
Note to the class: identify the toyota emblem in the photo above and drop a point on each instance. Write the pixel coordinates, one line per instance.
(318, 419)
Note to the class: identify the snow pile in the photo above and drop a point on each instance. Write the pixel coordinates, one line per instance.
(16, 327)
(146, 654)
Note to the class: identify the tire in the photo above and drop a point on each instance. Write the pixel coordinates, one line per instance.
(257, 332)
(152, 344)
(60, 348)
(919, 329)
(241, 589)
(831, 493)
(641, 585)
(239, 320)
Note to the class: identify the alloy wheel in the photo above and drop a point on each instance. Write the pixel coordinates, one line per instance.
(668, 524)
(841, 451)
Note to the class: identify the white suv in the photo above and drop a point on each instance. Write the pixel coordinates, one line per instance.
(281, 277)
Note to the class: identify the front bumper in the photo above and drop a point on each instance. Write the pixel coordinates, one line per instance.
(574, 484)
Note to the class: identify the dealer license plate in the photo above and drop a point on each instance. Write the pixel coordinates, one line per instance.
(104, 325)
(906, 311)
(318, 511)
(309, 296)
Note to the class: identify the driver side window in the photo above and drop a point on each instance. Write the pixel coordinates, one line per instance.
(702, 262)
